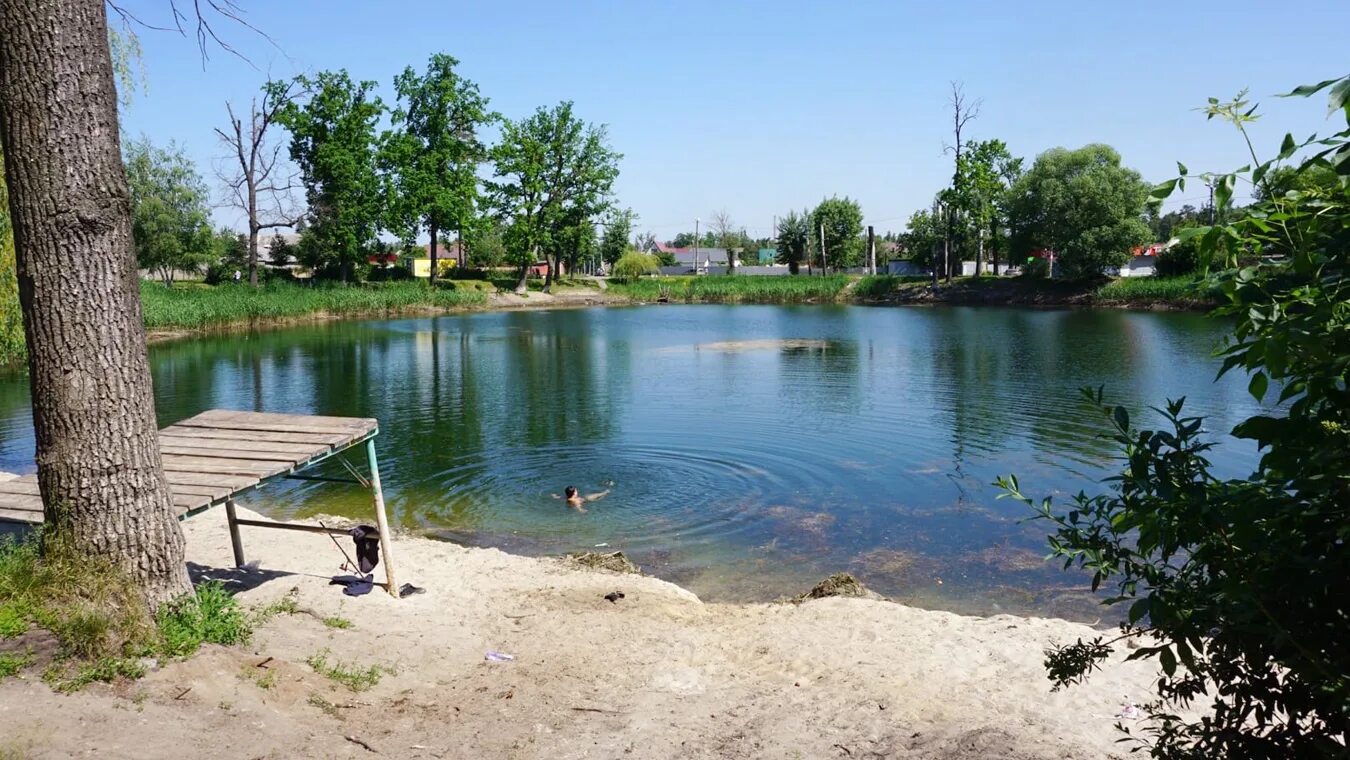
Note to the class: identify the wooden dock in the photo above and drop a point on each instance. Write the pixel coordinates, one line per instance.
(218, 454)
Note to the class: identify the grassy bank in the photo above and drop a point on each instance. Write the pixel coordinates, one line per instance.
(722, 289)
(1186, 292)
(192, 306)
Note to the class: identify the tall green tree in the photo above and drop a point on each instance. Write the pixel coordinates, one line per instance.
(552, 172)
(923, 235)
(1235, 588)
(434, 151)
(618, 232)
(1083, 205)
(794, 239)
(333, 141)
(985, 173)
(169, 214)
(841, 219)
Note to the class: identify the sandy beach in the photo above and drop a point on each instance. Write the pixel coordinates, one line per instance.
(656, 674)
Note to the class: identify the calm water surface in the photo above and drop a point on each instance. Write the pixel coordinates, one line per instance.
(752, 450)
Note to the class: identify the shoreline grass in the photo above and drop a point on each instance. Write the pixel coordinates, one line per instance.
(734, 289)
(196, 306)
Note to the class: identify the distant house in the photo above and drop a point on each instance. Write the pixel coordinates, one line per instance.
(1143, 261)
(685, 257)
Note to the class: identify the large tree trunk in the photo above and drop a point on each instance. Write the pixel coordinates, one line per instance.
(433, 251)
(252, 252)
(98, 457)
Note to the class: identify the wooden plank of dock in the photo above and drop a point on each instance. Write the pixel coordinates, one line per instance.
(211, 457)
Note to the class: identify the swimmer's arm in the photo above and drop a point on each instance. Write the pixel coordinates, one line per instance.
(597, 496)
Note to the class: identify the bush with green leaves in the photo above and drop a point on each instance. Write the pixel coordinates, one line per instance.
(1180, 259)
(634, 265)
(1236, 588)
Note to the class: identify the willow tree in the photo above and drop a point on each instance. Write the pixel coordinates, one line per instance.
(98, 460)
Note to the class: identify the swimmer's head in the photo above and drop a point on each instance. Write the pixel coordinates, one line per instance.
(570, 492)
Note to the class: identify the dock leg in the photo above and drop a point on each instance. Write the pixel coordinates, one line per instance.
(235, 541)
(381, 519)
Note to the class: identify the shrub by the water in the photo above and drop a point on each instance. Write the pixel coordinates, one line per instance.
(1182, 258)
(1236, 587)
(634, 265)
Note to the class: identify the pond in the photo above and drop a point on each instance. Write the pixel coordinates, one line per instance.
(752, 450)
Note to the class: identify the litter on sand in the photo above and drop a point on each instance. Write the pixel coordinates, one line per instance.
(1130, 712)
(408, 589)
(613, 596)
(493, 656)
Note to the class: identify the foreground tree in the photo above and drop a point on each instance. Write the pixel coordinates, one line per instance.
(332, 123)
(433, 153)
(98, 459)
(252, 179)
(1083, 205)
(169, 214)
(1237, 587)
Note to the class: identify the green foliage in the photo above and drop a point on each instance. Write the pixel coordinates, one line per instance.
(281, 252)
(338, 622)
(633, 265)
(433, 153)
(985, 174)
(85, 601)
(12, 662)
(351, 675)
(781, 289)
(230, 305)
(794, 239)
(1083, 205)
(211, 615)
(1174, 290)
(332, 125)
(169, 215)
(12, 349)
(553, 175)
(1237, 586)
(842, 220)
(1182, 258)
(923, 236)
(618, 231)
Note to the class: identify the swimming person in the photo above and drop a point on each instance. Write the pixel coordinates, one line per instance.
(576, 501)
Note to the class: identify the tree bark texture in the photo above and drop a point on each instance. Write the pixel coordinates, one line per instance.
(98, 459)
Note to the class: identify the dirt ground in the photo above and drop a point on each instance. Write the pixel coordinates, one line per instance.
(656, 674)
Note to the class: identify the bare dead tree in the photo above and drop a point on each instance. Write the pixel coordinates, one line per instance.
(724, 229)
(963, 111)
(251, 179)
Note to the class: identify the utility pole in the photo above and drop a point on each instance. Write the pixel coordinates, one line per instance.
(695, 245)
(871, 251)
(824, 263)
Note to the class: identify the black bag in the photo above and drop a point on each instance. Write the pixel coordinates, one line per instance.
(367, 547)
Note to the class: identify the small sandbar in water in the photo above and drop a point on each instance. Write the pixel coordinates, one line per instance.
(739, 346)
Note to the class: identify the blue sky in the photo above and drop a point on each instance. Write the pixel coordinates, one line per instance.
(763, 107)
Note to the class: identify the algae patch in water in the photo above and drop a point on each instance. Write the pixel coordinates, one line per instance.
(613, 561)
